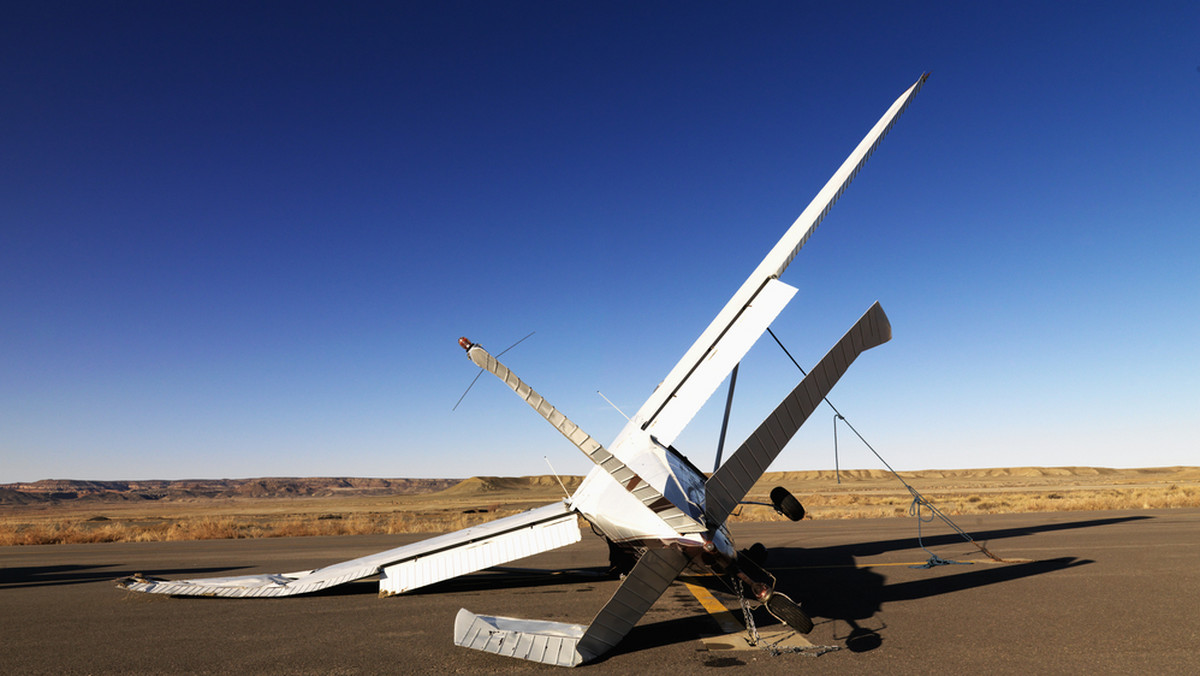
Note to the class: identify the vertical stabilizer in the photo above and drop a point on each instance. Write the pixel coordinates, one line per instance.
(729, 485)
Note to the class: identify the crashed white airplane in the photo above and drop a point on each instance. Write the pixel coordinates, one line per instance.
(643, 495)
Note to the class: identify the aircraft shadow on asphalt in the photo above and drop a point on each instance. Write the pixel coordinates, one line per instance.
(46, 576)
(830, 585)
(485, 580)
(839, 590)
(650, 635)
(881, 546)
(518, 578)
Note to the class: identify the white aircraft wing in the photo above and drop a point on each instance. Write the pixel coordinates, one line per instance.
(676, 400)
(403, 568)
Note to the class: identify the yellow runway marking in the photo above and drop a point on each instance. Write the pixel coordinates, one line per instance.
(725, 619)
(734, 635)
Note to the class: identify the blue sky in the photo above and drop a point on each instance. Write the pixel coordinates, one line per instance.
(242, 239)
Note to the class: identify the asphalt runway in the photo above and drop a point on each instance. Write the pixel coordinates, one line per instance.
(1100, 592)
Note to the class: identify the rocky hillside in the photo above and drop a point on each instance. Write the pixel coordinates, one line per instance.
(67, 491)
(62, 490)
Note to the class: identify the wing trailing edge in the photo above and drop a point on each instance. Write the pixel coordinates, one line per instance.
(729, 349)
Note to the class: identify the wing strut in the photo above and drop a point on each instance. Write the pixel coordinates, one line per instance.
(725, 420)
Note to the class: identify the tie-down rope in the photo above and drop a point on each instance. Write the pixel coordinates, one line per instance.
(919, 502)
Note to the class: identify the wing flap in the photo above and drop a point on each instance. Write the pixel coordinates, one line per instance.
(730, 483)
(508, 545)
(727, 351)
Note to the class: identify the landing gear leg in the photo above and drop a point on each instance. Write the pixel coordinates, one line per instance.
(781, 606)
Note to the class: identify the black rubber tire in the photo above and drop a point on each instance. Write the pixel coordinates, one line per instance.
(787, 611)
(786, 504)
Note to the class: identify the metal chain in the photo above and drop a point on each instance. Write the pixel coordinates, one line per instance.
(750, 626)
(806, 650)
(773, 648)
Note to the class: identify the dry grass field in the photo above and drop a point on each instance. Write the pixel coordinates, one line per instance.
(861, 494)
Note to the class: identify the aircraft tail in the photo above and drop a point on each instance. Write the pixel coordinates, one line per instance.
(568, 645)
(730, 483)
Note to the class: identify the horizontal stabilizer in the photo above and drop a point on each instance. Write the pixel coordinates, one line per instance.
(404, 568)
(546, 642)
(568, 645)
(650, 577)
(733, 480)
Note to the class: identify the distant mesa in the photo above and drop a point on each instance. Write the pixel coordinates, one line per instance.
(54, 491)
(58, 491)
(495, 484)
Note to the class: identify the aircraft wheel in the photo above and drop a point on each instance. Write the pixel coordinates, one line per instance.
(786, 504)
(788, 612)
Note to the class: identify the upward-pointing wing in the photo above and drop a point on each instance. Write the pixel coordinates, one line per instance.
(676, 401)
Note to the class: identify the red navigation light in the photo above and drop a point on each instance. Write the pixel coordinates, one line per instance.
(464, 343)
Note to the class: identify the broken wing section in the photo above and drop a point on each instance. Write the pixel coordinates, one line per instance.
(551, 643)
(403, 568)
(568, 645)
(730, 483)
